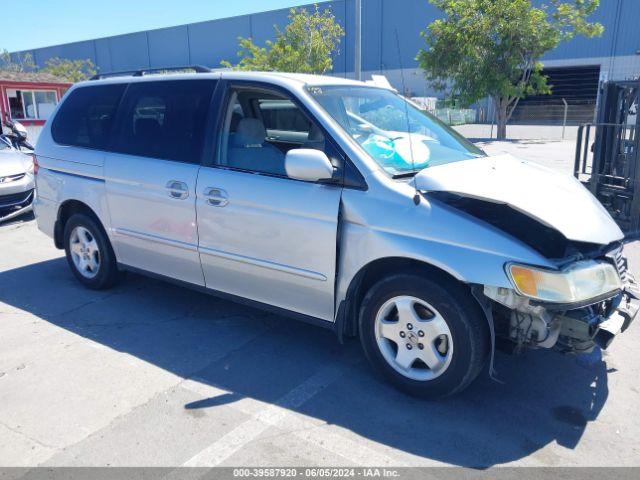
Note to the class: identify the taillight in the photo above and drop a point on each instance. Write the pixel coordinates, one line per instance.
(35, 164)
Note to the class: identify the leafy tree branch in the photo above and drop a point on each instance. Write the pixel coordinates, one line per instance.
(492, 48)
(306, 45)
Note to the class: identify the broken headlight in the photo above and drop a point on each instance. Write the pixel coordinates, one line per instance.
(579, 282)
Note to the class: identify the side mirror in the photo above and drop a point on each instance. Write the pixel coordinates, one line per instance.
(308, 164)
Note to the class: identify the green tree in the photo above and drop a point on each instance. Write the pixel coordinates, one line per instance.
(17, 62)
(492, 48)
(306, 45)
(70, 70)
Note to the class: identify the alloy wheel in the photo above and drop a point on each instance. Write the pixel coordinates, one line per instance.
(85, 252)
(413, 338)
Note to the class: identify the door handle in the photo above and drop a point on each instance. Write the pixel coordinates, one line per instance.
(178, 190)
(216, 197)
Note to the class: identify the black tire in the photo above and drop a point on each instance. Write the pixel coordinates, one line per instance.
(107, 274)
(463, 316)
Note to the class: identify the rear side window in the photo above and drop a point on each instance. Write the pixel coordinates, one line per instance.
(85, 118)
(164, 119)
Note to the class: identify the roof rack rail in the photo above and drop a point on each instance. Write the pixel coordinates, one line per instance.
(145, 71)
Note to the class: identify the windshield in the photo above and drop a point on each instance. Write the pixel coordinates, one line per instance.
(399, 137)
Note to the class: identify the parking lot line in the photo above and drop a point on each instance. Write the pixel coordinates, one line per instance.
(264, 418)
(282, 414)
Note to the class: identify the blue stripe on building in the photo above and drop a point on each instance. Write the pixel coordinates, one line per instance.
(210, 42)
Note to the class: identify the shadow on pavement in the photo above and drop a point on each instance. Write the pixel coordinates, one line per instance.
(545, 397)
(24, 218)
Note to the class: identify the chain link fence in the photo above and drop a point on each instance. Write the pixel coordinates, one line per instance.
(539, 130)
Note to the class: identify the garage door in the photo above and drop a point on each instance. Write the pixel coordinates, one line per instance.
(577, 85)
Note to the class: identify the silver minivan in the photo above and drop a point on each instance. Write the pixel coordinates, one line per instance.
(338, 203)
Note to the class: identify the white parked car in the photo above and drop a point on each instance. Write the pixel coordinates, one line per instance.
(17, 186)
(337, 203)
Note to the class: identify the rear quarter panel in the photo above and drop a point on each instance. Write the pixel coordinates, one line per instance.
(68, 173)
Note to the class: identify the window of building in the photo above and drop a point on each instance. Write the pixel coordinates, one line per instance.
(86, 116)
(31, 104)
(165, 119)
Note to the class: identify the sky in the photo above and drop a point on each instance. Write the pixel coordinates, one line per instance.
(40, 23)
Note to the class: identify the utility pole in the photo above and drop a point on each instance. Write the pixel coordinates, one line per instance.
(358, 44)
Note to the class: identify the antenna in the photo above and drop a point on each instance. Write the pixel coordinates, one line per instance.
(416, 197)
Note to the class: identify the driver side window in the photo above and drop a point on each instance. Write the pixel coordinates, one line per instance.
(260, 127)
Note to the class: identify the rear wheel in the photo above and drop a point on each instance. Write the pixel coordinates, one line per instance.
(89, 252)
(426, 335)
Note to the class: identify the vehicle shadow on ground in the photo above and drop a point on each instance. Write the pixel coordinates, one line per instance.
(19, 220)
(545, 397)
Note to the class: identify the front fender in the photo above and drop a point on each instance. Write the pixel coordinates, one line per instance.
(466, 248)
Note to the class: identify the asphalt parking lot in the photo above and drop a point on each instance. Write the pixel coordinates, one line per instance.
(158, 375)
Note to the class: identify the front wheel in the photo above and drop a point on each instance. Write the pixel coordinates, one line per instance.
(427, 336)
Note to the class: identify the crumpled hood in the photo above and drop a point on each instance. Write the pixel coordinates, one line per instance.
(554, 199)
(12, 162)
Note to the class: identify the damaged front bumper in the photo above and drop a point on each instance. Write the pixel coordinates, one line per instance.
(583, 328)
(521, 323)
